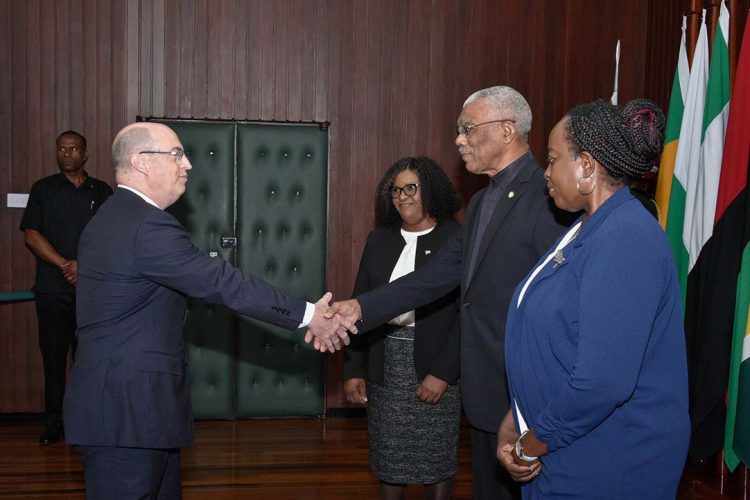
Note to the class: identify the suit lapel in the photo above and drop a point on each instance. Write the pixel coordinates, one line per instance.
(514, 191)
(428, 245)
(471, 222)
(391, 251)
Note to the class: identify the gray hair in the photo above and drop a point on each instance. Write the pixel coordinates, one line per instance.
(508, 102)
(126, 143)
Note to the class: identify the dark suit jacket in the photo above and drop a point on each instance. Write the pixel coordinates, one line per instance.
(521, 229)
(435, 325)
(129, 383)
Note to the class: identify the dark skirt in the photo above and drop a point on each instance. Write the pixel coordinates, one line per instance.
(411, 442)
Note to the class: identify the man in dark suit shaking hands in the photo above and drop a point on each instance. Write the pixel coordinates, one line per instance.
(509, 225)
(127, 408)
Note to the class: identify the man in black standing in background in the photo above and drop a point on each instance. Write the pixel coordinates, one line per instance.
(58, 209)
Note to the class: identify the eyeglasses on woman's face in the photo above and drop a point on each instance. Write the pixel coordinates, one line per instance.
(407, 189)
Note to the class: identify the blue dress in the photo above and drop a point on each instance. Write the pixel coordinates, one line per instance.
(595, 355)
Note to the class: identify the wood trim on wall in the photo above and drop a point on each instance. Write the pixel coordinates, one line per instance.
(389, 76)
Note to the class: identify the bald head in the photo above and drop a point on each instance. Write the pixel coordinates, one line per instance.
(132, 139)
(149, 158)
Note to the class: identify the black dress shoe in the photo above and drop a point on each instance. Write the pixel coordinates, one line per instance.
(51, 435)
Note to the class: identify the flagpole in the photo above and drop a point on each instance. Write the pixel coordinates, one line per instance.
(712, 21)
(735, 26)
(693, 12)
(613, 99)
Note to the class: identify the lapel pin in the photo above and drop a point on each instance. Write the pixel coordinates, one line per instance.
(559, 258)
(427, 252)
(511, 194)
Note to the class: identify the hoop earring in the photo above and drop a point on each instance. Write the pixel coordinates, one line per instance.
(578, 185)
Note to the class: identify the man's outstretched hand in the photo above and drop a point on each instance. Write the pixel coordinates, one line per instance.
(328, 330)
(346, 310)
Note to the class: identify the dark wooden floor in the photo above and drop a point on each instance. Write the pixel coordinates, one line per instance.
(243, 459)
(247, 459)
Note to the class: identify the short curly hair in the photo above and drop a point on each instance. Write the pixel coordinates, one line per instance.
(439, 197)
(627, 140)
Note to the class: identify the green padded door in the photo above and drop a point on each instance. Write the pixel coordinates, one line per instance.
(207, 211)
(266, 185)
(281, 217)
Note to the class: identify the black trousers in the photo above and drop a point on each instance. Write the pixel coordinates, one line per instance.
(116, 473)
(56, 315)
(491, 480)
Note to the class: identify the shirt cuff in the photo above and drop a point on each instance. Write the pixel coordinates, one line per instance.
(309, 313)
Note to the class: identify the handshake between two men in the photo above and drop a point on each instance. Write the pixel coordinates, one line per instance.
(332, 323)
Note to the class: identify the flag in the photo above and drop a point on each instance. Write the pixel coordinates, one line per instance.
(672, 134)
(703, 183)
(737, 431)
(717, 303)
(687, 160)
(733, 217)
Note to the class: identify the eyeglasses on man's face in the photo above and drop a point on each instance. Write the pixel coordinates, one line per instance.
(407, 189)
(177, 153)
(466, 129)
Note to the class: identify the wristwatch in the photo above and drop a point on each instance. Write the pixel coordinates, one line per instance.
(519, 450)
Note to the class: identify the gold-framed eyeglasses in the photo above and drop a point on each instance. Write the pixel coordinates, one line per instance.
(407, 189)
(466, 129)
(178, 153)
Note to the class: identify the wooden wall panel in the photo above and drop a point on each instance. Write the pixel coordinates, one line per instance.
(389, 77)
(63, 61)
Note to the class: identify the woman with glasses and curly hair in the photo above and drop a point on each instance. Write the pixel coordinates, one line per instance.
(406, 372)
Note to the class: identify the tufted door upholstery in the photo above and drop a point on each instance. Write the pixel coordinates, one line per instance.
(281, 215)
(266, 185)
(206, 210)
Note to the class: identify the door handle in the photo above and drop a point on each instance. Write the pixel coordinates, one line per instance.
(228, 242)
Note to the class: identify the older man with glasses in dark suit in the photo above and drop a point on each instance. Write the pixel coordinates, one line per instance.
(508, 226)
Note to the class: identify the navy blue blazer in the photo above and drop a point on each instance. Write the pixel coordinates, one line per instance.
(435, 325)
(597, 363)
(522, 227)
(136, 264)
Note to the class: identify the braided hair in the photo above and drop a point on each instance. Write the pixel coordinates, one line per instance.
(439, 198)
(626, 140)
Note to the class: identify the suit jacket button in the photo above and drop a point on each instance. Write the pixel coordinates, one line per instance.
(466, 304)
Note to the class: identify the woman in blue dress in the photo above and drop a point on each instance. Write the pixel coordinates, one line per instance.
(595, 348)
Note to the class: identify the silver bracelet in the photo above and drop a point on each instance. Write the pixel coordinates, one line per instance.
(519, 449)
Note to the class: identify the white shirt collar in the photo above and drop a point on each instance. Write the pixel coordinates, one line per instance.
(145, 198)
